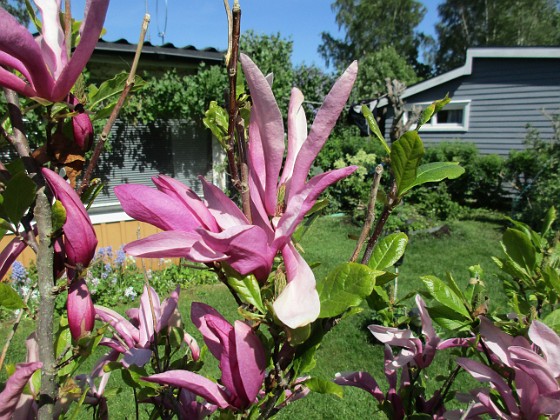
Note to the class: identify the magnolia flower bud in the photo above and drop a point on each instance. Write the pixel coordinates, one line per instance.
(81, 314)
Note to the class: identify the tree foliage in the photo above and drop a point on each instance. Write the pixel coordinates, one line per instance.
(373, 24)
(16, 8)
(479, 23)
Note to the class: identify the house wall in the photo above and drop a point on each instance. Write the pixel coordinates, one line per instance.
(506, 94)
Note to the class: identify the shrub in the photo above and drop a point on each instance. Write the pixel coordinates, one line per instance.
(481, 184)
(535, 174)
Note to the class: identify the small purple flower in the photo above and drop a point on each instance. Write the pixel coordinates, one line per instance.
(19, 273)
(121, 257)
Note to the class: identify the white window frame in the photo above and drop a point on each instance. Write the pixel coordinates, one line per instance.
(433, 126)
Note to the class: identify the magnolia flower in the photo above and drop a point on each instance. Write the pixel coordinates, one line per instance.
(217, 230)
(535, 374)
(135, 336)
(414, 352)
(242, 362)
(47, 71)
(81, 126)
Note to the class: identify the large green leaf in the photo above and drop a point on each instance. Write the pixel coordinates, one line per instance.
(372, 123)
(406, 154)
(445, 295)
(323, 386)
(18, 197)
(432, 109)
(435, 172)
(9, 298)
(519, 247)
(553, 320)
(447, 318)
(388, 251)
(345, 286)
(248, 290)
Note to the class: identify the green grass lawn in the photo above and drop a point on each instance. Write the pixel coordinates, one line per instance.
(348, 347)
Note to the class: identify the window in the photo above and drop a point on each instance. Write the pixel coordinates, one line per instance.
(454, 117)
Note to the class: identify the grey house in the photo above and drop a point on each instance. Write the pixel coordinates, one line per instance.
(495, 95)
(176, 148)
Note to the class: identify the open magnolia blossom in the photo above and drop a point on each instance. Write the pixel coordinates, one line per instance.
(536, 372)
(134, 337)
(216, 229)
(242, 362)
(414, 353)
(46, 70)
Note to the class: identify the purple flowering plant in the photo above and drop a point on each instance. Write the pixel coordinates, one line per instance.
(247, 241)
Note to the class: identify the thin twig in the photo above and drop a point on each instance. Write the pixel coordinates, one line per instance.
(113, 117)
(14, 329)
(370, 216)
(387, 210)
(68, 27)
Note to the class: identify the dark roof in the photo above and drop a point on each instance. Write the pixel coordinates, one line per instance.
(168, 49)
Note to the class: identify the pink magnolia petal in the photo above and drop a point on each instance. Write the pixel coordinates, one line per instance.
(246, 246)
(298, 205)
(9, 254)
(298, 304)
(548, 405)
(193, 382)
(199, 313)
(549, 343)
(52, 40)
(188, 198)
(528, 393)
(432, 340)
(536, 367)
(322, 125)
(133, 315)
(136, 356)
(257, 164)
(258, 212)
(79, 236)
(128, 332)
(266, 114)
(490, 406)
(174, 244)
(297, 133)
(168, 308)
(81, 314)
(92, 25)
(362, 380)
(251, 360)
(156, 208)
(149, 313)
(17, 42)
(193, 345)
(14, 387)
(483, 373)
(11, 81)
(496, 340)
(225, 211)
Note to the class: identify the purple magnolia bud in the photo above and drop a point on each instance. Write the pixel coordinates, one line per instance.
(81, 313)
(82, 127)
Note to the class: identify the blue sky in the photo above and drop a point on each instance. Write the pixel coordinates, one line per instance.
(202, 23)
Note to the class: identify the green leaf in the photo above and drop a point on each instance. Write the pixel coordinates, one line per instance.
(9, 298)
(216, 119)
(248, 290)
(406, 154)
(447, 318)
(551, 216)
(388, 251)
(18, 197)
(378, 299)
(551, 278)
(323, 386)
(445, 295)
(435, 172)
(372, 123)
(432, 109)
(553, 320)
(345, 286)
(305, 362)
(519, 247)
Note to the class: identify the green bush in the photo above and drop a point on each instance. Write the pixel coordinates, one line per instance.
(481, 184)
(535, 175)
